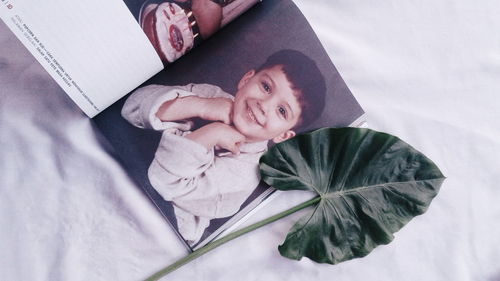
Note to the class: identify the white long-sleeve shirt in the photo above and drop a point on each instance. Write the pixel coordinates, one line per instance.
(201, 184)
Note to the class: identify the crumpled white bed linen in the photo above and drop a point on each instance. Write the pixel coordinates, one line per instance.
(426, 71)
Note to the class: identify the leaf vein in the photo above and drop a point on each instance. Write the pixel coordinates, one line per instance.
(295, 233)
(359, 188)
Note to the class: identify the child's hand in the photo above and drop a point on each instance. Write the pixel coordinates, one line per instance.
(220, 134)
(216, 109)
(228, 137)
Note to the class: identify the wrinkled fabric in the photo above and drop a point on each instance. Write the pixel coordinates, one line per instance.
(424, 71)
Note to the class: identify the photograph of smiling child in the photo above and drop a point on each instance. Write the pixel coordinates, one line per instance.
(207, 172)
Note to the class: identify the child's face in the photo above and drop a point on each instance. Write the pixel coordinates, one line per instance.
(265, 106)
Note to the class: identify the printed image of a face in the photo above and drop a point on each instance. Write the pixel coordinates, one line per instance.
(265, 106)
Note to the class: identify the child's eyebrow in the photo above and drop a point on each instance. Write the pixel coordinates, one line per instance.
(270, 79)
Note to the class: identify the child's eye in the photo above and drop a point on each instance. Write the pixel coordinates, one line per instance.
(266, 87)
(282, 111)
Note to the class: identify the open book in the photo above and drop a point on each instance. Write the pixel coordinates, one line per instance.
(189, 131)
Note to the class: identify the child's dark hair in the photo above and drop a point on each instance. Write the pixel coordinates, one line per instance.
(306, 78)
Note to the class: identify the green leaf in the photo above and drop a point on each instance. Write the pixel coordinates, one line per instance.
(370, 184)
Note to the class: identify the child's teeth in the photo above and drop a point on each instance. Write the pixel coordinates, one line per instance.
(252, 115)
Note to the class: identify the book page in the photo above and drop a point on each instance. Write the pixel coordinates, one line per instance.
(192, 135)
(94, 50)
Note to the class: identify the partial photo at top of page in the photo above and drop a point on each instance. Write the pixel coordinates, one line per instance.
(174, 27)
(94, 50)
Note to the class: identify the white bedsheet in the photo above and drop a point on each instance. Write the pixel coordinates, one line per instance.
(427, 71)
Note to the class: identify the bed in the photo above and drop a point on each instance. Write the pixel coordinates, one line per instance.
(426, 72)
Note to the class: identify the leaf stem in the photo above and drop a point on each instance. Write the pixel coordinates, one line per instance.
(212, 245)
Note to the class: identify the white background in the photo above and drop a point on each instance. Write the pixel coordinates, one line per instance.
(426, 71)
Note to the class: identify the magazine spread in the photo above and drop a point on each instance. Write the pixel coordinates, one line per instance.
(96, 50)
(192, 135)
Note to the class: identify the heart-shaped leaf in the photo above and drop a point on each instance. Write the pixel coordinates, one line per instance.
(370, 184)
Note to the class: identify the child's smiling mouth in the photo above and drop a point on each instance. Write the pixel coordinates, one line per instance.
(251, 116)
